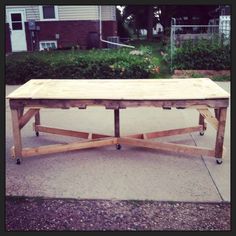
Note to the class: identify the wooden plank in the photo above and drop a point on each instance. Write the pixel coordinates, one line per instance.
(220, 133)
(20, 112)
(95, 136)
(16, 134)
(62, 103)
(37, 118)
(179, 148)
(138, 136)
(120, 89)
(65, 132)
(165, 133)
(216, 113)
(12, 151)
(117, 122)
(56, 148)
(26, 117)
(202, 122)
(209, 117)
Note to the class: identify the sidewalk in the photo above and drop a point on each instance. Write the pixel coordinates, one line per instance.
(129, 173)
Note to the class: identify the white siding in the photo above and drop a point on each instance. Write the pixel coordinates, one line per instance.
(32, 11)
(89, 12)
(70, 12)
(108, 12)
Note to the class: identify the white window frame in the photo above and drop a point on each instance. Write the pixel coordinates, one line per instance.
(48, 19)
(46, 41)
(15, 10)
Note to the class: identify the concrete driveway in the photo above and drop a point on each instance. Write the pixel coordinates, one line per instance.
(129, 173)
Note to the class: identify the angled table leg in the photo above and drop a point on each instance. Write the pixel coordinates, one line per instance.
(117, 126)
(220, 134)
(17, 150)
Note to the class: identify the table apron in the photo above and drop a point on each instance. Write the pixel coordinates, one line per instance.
(116, 104)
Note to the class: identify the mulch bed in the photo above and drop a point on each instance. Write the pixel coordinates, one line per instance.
(36, 214)
(208, 73)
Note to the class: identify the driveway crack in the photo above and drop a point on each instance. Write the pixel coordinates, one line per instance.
(217, 189)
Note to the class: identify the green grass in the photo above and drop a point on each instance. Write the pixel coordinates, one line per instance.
(156, 48)
(214, 78)
(221, 78)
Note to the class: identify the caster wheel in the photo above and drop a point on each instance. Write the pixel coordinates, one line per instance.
(37, 133)
(219, 162)
(118, 146)
(202, 133)
(18, 161)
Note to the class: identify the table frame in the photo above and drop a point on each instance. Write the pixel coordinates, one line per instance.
(92, 140)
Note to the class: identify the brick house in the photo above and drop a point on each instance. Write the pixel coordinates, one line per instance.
(38, 27)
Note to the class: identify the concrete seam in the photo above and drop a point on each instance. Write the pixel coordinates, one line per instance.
(217, 189)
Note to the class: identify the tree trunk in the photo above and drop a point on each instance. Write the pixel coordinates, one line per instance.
(150, 23)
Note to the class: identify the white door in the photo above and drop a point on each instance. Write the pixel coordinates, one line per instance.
(17, 30)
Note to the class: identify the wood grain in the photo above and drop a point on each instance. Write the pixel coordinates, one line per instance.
(56, 148)
(131, 89)
(179, 148)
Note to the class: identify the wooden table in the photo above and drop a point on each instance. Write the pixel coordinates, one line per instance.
(200, 94)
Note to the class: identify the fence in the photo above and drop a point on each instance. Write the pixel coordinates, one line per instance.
(181, 33)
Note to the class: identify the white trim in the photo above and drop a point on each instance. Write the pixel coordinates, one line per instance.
(15, 10)
(50, 19)
(46, 41)
(22, 37)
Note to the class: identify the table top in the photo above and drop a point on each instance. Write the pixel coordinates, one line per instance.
(120, 89)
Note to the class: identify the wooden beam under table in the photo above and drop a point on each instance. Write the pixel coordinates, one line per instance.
(179, 148)
(56, 148)
(26, 117)
(71, 133)
(209, 117)
(165, 133)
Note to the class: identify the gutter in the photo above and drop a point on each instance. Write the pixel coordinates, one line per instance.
(100, 32)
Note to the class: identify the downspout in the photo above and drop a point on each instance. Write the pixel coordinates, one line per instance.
(100, 33)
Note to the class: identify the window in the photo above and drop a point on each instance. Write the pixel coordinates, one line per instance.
(48, 12)
(45, 45)
(16, 21)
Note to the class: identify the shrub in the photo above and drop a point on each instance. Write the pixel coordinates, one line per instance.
(94, 64)
(202, 55)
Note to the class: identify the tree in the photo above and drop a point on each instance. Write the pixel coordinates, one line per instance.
(150, 16)
(143, 16)
(140, 17)
(121, 29)
(202, 12)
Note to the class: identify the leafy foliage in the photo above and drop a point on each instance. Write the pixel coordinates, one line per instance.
(203, 54)
(94, 64)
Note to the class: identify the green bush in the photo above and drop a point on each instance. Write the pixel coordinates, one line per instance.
(202, 55)
(94, 64)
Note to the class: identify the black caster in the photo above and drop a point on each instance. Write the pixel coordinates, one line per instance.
(18, 161)
(201, 133)
(37, 133)
(118, 146)
(219, 162)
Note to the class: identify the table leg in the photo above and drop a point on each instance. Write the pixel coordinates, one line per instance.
(216, 113)
(220, 134)
(117, 125)
(37, 122)
(203, 123)
(15, 114)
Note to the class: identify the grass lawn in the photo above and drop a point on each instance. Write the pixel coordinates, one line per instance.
(156, 47)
